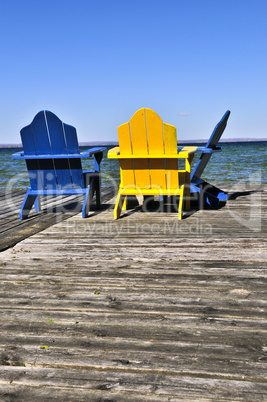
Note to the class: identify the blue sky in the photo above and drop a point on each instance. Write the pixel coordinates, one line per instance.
(94, 63)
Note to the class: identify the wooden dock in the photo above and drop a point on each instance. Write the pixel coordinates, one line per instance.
(146, 308)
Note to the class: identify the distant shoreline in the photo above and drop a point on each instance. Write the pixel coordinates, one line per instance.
(180, 142)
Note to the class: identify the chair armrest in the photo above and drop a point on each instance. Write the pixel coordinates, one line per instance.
(114, 152)
(92, 151)
(185, 152)
(211, 150)
(18, 155)
(85, 154)
(21, 155)
(205, 150)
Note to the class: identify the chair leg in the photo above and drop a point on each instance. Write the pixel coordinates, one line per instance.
(97, 190)
(187, 197)
(27, 204)
(124, 205)
(118, 205)
(37, 204)
(181, 203)
(93, 180)
(87, 201)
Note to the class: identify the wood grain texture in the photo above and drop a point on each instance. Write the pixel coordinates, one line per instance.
(146, 308)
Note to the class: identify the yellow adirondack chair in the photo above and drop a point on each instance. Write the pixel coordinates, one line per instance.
(148, 159)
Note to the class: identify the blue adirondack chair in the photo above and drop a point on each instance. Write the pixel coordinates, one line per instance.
(51, 152)
(209, 194)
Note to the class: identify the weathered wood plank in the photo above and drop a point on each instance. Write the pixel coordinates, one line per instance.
(179, 364)
(252, 342)
(226, 361)
(123, 385)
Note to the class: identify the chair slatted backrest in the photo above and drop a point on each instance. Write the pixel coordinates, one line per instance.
(211, 144)
(48, 135)
(146, 134)
(218, 130)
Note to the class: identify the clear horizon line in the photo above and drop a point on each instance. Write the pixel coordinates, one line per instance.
(113, 142)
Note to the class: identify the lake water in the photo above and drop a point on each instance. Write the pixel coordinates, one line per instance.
(237, 162)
